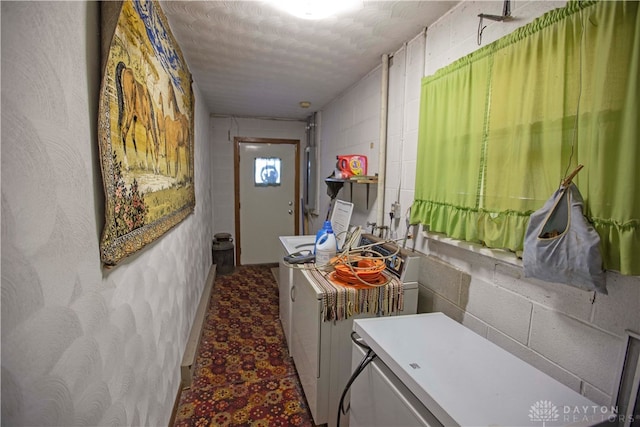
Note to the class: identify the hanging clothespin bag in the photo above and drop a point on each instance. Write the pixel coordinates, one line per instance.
(561, 245)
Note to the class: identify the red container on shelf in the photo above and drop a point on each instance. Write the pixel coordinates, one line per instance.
(352, 165)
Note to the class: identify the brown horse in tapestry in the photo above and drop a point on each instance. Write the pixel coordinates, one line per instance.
(135, 106)
(176, 132)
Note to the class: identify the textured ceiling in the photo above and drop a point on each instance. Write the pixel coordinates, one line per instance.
(250, 59)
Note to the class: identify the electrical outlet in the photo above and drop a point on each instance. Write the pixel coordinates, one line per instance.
(395, 209)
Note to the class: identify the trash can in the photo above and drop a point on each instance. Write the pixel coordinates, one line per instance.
(222, 250)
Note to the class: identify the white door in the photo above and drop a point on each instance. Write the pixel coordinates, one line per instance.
(267, 189)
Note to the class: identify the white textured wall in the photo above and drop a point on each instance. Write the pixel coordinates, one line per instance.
(82, 345)
(559, 329)
(223, 132)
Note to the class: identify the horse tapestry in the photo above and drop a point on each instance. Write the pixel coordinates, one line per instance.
(145, 129)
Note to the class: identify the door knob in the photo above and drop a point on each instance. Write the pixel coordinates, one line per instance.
(290, 203)
(290, 212)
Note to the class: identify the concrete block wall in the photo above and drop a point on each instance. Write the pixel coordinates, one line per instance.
(404, 105)
(577, 337)
(573, 335)
(456, 34)
(570, 334)
(350, 124)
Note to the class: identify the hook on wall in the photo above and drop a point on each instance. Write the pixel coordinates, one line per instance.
(506, 15)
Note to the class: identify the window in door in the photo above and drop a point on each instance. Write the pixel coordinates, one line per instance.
(267, 171)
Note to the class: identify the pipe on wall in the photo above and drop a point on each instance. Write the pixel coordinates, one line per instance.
(382, 151)
(405, 47)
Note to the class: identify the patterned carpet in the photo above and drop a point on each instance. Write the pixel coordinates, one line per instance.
(243, 374)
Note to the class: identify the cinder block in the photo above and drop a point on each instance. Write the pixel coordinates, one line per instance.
(441, 277)
(368, 130)
(532, 9)
(475, 324)
(412, 118)
(406, 199)
(368, 109)
(425, 300)
(466, 46)
(480, 265)
(460, 254)
(499, 308)
(449, 254)
(438, 44)
(465, 16)
(392, 180)
(620, 309)
(534, 359)
(598, 396)
(580, 348)
(394, 134)
(430, 302)
(410, 148)
(414, 76)
(564, 298)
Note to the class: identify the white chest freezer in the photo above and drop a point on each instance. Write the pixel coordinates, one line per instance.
(434, 371)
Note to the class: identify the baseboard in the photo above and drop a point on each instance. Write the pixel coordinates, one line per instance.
(193, 343)
(174, 410)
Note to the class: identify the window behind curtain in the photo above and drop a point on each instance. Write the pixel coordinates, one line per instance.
(500, 128)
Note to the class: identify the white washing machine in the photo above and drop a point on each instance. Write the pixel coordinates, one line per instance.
(289, 245)
(321, 350)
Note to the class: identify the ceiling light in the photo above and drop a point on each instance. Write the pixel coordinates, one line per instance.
(305, 104)
(316, 9)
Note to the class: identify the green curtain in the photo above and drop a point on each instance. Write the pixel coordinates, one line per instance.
(500, 128)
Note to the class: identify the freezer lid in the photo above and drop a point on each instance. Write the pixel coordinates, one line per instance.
(466, 380)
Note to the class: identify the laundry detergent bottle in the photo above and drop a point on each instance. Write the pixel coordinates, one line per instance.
(326, 249)
(326, 226)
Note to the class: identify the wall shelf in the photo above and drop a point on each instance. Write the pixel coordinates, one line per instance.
(334, 185)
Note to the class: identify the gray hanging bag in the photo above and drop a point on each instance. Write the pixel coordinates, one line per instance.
(561, 246)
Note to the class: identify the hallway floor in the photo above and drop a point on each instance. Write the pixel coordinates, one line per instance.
(243, 374)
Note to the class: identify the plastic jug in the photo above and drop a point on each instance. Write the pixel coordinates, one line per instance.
(326, 226)
(352, 165)
(325, 249)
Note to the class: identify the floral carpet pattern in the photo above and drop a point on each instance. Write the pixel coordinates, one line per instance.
(243, 374)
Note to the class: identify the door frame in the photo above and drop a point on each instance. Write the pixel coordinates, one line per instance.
(236, 181)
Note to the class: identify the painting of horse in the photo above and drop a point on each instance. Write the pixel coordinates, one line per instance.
(175, 130)
(145, 128)
(136, 107)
